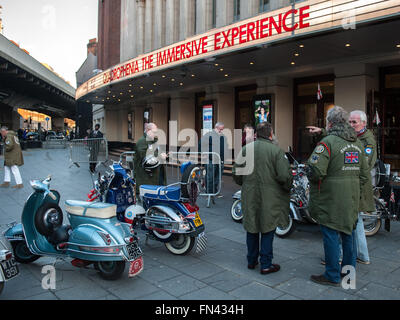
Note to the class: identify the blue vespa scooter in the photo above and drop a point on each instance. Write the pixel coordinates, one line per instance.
(95, 235)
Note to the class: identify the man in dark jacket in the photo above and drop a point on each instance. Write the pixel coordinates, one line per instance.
(94, 146)
(12, 158)
(338, 173)
(265, 195)
(147, 146)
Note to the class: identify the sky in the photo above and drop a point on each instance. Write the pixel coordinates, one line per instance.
(55, 32)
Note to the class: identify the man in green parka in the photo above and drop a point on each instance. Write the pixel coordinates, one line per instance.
(266, 184)
(147, 146)
(358, 120)
(338, 173)
(12, 158)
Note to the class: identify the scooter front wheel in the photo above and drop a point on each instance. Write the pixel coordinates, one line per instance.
(180, 244)
(22, 253)
(110, 270)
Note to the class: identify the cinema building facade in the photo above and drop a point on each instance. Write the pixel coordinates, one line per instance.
(202, 62)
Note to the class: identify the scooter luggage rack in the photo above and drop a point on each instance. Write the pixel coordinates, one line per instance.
(162, 223)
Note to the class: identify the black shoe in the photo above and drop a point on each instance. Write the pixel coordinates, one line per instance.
(252, 266)
(271, 269)
(320, 279)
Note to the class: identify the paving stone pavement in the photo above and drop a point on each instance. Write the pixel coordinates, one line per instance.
(219, 274)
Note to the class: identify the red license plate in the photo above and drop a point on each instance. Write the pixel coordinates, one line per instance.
(135, 267)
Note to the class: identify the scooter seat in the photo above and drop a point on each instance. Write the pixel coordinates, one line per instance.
(171, 193)
(91, 209)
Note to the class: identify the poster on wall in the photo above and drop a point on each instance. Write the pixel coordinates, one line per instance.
(207, 118)
(262, 109)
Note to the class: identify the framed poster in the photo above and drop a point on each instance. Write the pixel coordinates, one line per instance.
(262, 107)
(208, 116)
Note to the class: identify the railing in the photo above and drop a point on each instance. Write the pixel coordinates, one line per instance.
(88, 151)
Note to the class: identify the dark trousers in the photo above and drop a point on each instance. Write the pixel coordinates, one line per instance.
(332, 252)
(254, 250)
(92, 167)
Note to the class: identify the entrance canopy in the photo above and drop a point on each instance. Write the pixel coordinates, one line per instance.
(288, 41)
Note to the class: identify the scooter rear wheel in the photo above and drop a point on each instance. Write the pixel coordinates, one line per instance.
(181, 244)
(110, 270)
(22, 253)
(236, 211)
(287, 230)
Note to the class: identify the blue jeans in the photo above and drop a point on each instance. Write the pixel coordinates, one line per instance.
(361, 241)
(331, 240)
(253, 248)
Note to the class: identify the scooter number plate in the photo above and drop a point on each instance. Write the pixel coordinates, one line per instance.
(134, 250)
(10, 268)
(197, 220)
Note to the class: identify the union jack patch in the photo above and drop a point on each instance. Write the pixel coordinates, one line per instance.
(351, 157)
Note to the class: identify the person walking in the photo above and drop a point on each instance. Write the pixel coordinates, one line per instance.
(12, 158)
(265, 196)
(338, 173)
(94, 145)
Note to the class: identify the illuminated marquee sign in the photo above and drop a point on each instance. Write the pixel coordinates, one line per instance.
(247, 32)
(305, 17)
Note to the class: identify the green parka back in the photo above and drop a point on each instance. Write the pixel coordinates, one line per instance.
(13, 154)
(338, 175)
(266, 189)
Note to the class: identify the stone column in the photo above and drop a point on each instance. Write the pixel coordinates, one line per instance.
(172, 22)
(128, 29)
(187, 19)
(249, 8)
(159, 24)
(203, 16)
(224, 12)
(352, 84)
(182, 111)
(281, 90)
(148, 26)
(140, 31)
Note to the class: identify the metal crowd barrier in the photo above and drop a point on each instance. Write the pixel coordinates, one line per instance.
(55, 143)
(209, 162)
(88, 151)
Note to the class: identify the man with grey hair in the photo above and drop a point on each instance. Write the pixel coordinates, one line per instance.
(12, 158)
(338, 172)
(358, 120)
(214, 141)
(146, 147)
